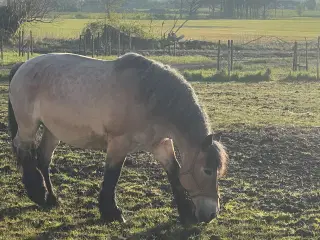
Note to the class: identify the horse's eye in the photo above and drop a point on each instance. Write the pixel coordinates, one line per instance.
(208, 171)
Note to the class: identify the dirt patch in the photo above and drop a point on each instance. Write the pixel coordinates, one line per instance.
(271, 187)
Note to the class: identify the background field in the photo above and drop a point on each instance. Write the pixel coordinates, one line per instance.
(212, 30)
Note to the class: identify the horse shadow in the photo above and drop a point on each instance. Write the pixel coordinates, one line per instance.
(171, 229)
(162, 231)
(165, 231)
(13, 212)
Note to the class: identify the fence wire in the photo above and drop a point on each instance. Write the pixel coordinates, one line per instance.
(256, 54)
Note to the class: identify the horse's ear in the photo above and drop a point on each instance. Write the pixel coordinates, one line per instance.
(207, 142)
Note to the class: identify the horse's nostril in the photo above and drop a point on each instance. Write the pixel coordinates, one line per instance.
(213, 215)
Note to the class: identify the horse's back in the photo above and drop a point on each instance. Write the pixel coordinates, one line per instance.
(58, 71)
(75, 97)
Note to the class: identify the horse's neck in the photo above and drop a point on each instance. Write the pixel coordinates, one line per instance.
(188, 150)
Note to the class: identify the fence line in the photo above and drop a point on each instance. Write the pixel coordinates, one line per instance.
(318, 58)
(226, 54)
(1, 48)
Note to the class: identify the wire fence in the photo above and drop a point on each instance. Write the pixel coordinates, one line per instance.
(257, 54)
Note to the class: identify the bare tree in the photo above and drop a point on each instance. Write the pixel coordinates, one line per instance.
(32, 10)
(19, 11)
(192, 6)
(111, 5)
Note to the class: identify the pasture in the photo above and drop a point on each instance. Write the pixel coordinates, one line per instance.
(268, 122)
(11, 57)
(271, 190)
(289, 29)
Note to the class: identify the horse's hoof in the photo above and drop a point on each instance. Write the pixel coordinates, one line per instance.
(188, 218)
(35, 187)
(187, 221)
(112, 216)
(111, 219)
(52, 201)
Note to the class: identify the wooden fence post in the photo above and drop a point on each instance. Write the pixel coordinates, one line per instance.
(318, 58)
(110, 42)
(231, 60)
(130, 42)
(295, 56)
(306, 55)
(218, 57)
(119, 43)
(28, 49)
(31, 43)
(85, 44)
(19, 43)
(105, 40)
(98, 44)
(93, 50)
(1, 48)
(22, 43)
(80, 38)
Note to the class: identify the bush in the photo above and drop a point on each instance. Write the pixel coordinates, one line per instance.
(222, 76)
(80, 16)
(300, 76)
(128, 27)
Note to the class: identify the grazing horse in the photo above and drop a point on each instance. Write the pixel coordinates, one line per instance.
(122, 106)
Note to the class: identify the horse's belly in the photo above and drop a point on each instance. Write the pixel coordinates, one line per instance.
(80, 137)
(89, 141)
(80, 132)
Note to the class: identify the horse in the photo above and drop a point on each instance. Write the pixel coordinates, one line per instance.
(120, 106)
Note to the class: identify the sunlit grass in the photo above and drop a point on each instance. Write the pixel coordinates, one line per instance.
(212, 30)
(261, 197)
(11, 57)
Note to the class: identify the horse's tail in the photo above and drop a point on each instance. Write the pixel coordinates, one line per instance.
(12, 122)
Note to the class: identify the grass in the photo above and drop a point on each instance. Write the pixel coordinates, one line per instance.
(271, 190)
(11, 57)
(222, 76)
(239, 30)
(202, 12)
(258, 104)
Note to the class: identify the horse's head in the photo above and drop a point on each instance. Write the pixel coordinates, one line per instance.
(201, 180)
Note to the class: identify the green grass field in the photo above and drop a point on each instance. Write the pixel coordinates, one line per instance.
(144, 14)
(271, 190)
(270, 128)
(11, 57)
(290, 29)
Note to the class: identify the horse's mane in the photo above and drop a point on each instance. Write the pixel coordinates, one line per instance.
(168, 95)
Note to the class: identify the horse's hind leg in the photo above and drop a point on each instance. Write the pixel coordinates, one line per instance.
(44, 153)
(26, 157)
(164, 153)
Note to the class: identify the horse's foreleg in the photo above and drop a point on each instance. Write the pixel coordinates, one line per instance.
(45, 152)
(31, 176)
(164, 153)
(107, 199)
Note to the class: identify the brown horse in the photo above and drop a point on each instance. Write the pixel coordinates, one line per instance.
(121, 106)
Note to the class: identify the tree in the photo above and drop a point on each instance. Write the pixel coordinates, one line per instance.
(191, 6)
(212, 4)
(111, 5)
(20, 11)
(300, 9)
(311, 4)
(68, 5)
